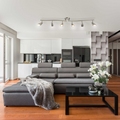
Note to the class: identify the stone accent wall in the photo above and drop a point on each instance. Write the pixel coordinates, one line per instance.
(99, 46)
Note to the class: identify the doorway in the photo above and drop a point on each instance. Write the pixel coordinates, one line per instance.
(115, 61)
(5, 57)
(1, 57)
(114, 54)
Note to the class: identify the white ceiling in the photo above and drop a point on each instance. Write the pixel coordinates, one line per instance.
(23, 15)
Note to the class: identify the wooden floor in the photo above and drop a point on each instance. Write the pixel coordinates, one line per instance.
(83, 113)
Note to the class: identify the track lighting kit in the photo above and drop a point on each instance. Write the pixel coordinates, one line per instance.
(67, 19)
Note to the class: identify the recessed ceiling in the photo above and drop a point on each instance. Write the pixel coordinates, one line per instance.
(23, 15)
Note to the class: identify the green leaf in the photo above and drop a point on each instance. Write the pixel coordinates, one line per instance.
(95, 80)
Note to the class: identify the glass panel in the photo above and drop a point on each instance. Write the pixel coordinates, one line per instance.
(87, 54)
(7, 58)
(1, 57)
(118, 57)
(115, 57)
(110, 59)
(110, 56)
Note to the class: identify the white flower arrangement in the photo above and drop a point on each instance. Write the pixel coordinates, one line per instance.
(101, 76)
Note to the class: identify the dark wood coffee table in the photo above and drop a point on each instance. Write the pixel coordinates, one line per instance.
(84, 92)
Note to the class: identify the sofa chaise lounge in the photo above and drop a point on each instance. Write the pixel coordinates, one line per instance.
(67, 75)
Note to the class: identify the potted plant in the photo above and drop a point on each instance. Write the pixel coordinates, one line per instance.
(99, 73)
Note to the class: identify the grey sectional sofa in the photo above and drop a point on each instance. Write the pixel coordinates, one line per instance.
(67, 75)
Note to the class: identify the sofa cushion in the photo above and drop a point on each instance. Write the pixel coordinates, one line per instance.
(74, 81)
(44, 70)
(44, 65)
(49, 80)
(67, 65)
(65, 75)
(85, 64)
(48, 75)
(73, 70)
(18, 88)
(83, 75)
(15, 88)
(61, 88)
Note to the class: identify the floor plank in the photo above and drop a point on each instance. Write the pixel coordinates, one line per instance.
(83, 113)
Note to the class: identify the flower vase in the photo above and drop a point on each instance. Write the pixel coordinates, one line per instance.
(98, 85)
(105, 89)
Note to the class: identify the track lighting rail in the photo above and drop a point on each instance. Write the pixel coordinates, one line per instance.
(67, 19)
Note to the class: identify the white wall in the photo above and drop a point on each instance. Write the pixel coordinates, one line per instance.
(19, 57)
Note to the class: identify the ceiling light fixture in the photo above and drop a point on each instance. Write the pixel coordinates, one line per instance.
(52, 24)
(93, 24)
(61, 24)
(39, 24)
(72, 24)
(67, 19)
(82, 25)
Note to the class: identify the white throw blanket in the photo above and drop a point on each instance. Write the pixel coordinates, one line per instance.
(42, 92)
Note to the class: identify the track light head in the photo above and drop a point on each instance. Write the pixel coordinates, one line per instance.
(61, 24)
(82, 25)
(93, 24)
(39, 24)
(72, 24)
(67, 19)
(52, 24)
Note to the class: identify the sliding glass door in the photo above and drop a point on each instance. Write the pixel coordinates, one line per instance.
(7, 55)
(1, 57)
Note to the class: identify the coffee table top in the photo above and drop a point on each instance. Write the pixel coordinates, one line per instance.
(84, 92)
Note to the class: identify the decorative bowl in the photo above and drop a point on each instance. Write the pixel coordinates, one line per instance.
(93, 91)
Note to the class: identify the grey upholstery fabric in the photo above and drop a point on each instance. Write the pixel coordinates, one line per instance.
(65, 75)
(61, 88)
(44, 70)
(44, 65)
(67, 65)
(85, 64)
(49, 80)
(74, 81)
(18, 88)
(48, 75)
(83, 75)
(73, 70)
(18, 99)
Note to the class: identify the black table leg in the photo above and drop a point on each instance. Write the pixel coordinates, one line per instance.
(67, 105)
(116, 106)
(115, 110)
(103, 98)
